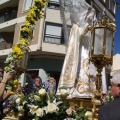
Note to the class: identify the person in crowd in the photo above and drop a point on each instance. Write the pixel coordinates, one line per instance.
(3, 96)
(111, 110)
(29, 80)
(37, 84)
(8, 76)
(50, 84)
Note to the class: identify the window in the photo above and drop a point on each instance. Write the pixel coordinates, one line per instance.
(53, 33)
(54, 4)
(32, 74)
(112, 6)
(97, 10)
(28, 3)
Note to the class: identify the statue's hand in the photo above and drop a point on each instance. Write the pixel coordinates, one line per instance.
(89, 27)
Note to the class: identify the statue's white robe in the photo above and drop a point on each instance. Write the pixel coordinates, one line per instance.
(77, 70)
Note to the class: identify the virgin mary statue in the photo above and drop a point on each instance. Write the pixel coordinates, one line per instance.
(78, 74)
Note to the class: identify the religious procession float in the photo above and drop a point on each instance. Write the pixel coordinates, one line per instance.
(82, 82)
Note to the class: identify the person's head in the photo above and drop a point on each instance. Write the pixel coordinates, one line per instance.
(37, 81)
(52, 79)
(115, 84)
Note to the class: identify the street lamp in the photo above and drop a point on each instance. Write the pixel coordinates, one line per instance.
(102, 46)
(101, 54)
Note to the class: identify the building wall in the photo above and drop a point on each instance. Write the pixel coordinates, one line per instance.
(21, 11)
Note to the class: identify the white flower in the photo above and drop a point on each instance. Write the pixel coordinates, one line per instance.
(109, 88)
(20, 108)
(63, 92)
(18, 100)
(51, 108)
(88, 114)
(42, 92)
(39, 112)
(33, 109)
(69, 112)
(112, 97)
(24, 102)
(109, 92)
(107, 97)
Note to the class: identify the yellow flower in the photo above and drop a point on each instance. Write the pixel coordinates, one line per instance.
(24, 41)
(33, 7)
(15, 87)
(16, 48)
(27, 23)
(12, 93)
(30, 19)
(32, 13)
(37, 97)
(15, 82)
(41, 16)
(25, 29)
(9, 88)
(6, 69)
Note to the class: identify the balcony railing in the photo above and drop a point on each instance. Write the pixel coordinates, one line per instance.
(8, 16)
(53, 39)
(5, 45)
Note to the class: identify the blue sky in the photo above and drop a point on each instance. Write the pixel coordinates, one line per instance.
(117, 33)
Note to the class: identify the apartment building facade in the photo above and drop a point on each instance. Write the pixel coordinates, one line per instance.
(48, 47)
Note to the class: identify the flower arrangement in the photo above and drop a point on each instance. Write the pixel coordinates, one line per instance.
(41, 106)
(22, 46)
(109, 97)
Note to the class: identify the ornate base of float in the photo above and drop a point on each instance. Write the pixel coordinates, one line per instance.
(10, 118)
(92, 104)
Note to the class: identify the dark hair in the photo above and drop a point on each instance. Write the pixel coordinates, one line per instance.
(39, 78)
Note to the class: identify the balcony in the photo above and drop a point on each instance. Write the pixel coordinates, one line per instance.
(6, 40)
(5, 45)
(7, 15)
(8, 3)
